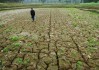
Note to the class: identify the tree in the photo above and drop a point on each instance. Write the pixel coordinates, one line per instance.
(43, 1)
(91, 0)
(95, 0)
(11, 0)
(59, 0)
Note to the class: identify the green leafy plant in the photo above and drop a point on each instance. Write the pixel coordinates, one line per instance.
(92, 42)
(79, 65)
(16, 44)
(19, 60)
(8, 30)
(29, 44)
(26, 61)
(74, 24)
(23, 49)
(14, 38)
(6, 49)
(96, 25)
(74, 54)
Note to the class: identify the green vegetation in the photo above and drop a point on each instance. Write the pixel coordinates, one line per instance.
(21, 61)
(74, 53)
(9, 6)
(6, 49)
(79, 65)
(14, 38)
(8, 30)
(75, 24)
(92, 42)
(29, 44)
(1, 26)
(91, 49)
(26, 61)
(17, 44)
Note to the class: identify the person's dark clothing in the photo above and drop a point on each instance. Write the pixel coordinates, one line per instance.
(32, 14)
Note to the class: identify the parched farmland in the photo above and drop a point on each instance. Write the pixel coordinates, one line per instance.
(59, 39)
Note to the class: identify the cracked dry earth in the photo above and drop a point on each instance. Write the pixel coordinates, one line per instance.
(51, 42)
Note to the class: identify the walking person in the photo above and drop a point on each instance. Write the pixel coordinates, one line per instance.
(32, 12)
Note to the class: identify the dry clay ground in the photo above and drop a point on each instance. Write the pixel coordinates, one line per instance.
(59, 39)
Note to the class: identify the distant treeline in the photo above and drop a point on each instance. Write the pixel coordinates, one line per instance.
(85, 1)
(91, 0)
(11, 1)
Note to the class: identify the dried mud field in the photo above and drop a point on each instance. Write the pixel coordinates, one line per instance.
(59, 39)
